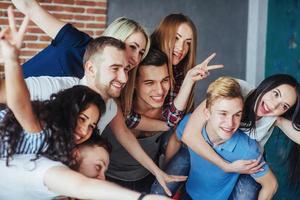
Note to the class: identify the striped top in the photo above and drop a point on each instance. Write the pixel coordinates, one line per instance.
(29, 143)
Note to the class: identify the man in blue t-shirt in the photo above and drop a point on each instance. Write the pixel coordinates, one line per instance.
(224, 106)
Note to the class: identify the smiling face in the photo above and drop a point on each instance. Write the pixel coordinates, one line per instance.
(184, 37)
(135, 48)
(86, 123)
(152, 86)
(109, 72)
(93, 161)
(277, 101)
(224, 117)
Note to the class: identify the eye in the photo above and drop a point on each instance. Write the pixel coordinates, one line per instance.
(177, 38)
(81, 119)
(141, 53)
(238, 115)
(275, 93)
(133, 47)
(148, 83)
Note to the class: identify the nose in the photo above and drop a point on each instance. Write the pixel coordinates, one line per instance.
(179, 45)
(159, 89)
(230, 121)
(134, 59)
(122, 76)
(83, 130)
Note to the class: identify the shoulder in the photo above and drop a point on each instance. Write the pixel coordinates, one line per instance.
(181, 125)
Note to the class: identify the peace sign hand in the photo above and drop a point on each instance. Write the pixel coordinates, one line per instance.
(201, 70)
(11, 38)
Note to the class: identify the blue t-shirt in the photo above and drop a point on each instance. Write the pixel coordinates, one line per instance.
(208, 181)
(63, 57)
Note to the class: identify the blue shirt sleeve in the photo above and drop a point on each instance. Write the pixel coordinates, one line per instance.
(253, 153)
(63, 57)
(181, 126)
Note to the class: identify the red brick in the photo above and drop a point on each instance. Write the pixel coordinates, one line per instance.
(91, 3)
(28, 52)
(4, 4)
(98, 25)
(96, 11)
(84, 17)
(64, 16)
(53, 8)
(101, 18)
(30, 37)
(78, 25)
(36, 45)
(63, 1)
(74, 9)
(45, 38)
(34, 30)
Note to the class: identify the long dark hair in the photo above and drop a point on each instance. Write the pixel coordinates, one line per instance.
(58, 117)
(293, 114)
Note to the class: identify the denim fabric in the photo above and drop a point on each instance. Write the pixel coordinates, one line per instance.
(245, 188)
(178, 165)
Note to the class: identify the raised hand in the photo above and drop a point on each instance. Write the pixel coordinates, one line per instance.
(11, 38)
(201, 70)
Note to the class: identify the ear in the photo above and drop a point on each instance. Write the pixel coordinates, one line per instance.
(76, 154)
(90, 69)
(206, 113)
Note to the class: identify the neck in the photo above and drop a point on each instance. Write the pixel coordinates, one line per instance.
(146, 110)
(92, 85)
(212, 135)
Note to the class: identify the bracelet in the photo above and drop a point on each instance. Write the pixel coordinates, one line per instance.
(143, 194)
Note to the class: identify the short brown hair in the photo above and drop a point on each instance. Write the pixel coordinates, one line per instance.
(98, 44)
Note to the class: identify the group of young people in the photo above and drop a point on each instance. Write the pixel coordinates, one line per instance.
(54, 138)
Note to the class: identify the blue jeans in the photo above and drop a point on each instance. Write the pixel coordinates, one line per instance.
(245, 188)
(178, 165)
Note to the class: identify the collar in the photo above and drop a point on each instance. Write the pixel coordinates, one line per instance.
(228, 145)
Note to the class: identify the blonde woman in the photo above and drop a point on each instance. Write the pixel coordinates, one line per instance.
(63, 57)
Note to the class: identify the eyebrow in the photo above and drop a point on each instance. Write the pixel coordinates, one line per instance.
(89, 118)
(135, 43)
(190, 39)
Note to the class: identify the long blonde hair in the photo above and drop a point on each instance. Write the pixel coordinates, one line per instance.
(121, 28)
(164, 38)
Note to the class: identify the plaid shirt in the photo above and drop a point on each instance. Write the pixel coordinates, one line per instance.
(170, 113)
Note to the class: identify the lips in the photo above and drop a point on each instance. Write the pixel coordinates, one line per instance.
(227, 130)
(177, 54)
(158, 99)
(117, 85)
(264, 109)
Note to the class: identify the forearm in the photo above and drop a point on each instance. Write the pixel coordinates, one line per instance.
(42, 18)
(149, 124)
(181, 100)
(78, 186)
(172, 147)
(18, 97)
(287, 127)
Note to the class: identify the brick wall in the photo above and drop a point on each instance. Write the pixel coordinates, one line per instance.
(87, 15)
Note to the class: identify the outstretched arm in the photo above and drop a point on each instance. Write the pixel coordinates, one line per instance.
(149, 124)
(42, 18)
(78, 186)
(17, 95)
(287, 127)
(193, 138)
(130, 143)
(269, 186)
